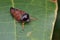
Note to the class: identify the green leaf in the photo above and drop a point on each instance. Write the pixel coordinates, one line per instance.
(40, 29)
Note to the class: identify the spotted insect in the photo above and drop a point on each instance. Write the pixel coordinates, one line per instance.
(20, 16)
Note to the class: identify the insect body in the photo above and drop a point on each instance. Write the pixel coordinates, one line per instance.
(20, 15)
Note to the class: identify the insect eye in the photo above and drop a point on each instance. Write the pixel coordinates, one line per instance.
(25, 18)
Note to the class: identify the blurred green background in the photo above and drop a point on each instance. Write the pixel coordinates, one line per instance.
(56, 34)
(40, 29)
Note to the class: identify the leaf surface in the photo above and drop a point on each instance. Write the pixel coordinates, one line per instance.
(40, 29)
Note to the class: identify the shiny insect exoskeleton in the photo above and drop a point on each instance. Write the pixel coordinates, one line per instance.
(20, 15)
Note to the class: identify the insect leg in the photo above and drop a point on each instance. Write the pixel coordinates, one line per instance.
(23, 26)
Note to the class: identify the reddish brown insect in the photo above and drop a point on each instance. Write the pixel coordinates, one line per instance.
(20, 15)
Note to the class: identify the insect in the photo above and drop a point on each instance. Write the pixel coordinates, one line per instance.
(21, 16)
